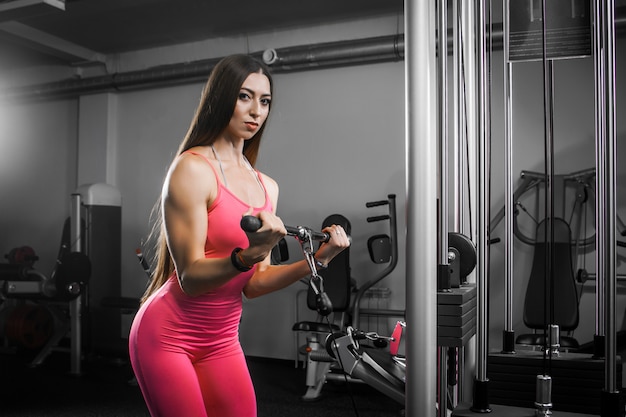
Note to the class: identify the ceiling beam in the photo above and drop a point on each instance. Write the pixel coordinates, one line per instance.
(19, 9)
(49, 44)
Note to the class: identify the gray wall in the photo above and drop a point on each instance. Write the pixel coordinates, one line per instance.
(38, 148)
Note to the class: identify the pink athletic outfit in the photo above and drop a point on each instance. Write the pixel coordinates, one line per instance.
(185, 350)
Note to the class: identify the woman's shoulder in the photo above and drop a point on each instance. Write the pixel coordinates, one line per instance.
(196, 154)
(268, 181)
(192, 170)
(270, 185)
(194, 160)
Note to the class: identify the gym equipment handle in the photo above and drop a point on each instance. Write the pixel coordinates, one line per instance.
(381, 202)
(376, 203)
(252, 224)
(378, 218)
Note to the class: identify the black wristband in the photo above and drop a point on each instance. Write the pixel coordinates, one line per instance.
(320, 265)
(234, 259)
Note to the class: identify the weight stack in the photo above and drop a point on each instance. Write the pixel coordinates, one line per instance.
(577, 380)
(456, 316)
(102, 213)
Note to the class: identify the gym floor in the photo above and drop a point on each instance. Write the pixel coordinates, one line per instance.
(106, 388)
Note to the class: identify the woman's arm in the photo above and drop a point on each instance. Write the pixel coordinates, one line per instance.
(268, 278)
(188, 188)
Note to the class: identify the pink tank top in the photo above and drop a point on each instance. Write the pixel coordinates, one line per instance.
(209, 321)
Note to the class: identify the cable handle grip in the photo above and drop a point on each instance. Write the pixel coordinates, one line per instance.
(251, 224)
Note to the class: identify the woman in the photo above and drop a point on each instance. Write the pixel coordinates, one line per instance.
(184, 344)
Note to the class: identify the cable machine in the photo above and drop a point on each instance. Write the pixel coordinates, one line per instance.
(423, 117)
(540, 14)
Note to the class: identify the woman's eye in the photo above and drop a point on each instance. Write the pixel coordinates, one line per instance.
(243, 96)
(266, 101)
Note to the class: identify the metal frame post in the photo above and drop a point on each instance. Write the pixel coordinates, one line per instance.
(421, 169)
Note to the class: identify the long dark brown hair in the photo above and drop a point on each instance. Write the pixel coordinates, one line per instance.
(216, 107)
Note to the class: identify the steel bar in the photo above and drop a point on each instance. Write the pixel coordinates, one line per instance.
(421, 183)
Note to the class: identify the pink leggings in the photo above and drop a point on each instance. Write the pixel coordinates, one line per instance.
(174, 384)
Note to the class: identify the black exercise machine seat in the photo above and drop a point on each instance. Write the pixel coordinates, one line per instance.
(337, 283)
(565, 299)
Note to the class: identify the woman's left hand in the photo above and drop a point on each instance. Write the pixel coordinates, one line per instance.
(338, 241)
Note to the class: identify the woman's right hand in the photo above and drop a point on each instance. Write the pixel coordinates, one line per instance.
(262, 241)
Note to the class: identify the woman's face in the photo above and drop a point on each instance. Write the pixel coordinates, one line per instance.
(252, 107)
